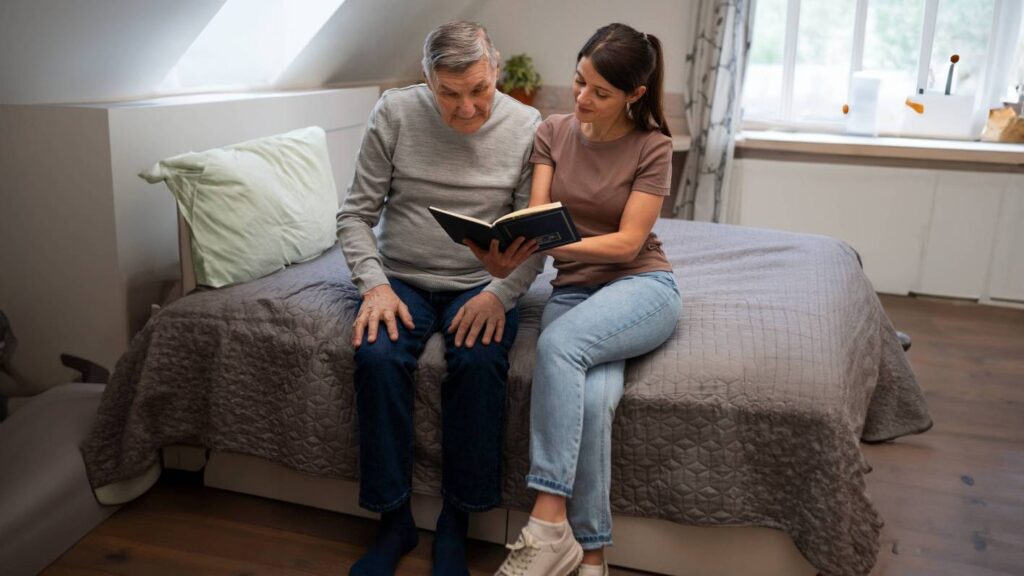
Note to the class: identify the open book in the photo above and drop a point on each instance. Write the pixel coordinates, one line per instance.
(549, 224)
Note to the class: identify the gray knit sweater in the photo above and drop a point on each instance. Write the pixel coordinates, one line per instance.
(409, 160)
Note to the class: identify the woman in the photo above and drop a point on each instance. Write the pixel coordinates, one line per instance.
(614, 298)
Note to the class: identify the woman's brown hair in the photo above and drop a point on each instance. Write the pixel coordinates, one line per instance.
(629, 59)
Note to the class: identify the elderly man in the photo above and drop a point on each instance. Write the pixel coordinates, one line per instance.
(457, 144)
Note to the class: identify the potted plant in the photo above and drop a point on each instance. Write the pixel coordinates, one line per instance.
(518, 78)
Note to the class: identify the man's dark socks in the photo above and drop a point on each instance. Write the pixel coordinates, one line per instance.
(396, 537)
(450, 542)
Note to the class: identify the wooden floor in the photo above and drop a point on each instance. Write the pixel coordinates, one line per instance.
(952, 499)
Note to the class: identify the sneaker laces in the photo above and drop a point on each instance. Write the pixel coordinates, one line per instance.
(520, 556)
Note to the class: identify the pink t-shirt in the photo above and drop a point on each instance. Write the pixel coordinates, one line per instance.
(594, 181)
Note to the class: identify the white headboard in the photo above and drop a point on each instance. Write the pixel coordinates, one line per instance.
(188, 272)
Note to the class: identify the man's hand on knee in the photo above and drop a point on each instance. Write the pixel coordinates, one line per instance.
(380, 304)
(483, 313)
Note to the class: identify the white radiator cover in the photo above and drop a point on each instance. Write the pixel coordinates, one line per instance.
(938, 232)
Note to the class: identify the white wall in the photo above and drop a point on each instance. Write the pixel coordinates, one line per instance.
(553, 32)
(380, 40)
(58, 272)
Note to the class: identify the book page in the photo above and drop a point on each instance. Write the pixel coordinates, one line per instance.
(528, 211)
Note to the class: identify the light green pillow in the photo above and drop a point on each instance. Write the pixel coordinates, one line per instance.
(254, 207)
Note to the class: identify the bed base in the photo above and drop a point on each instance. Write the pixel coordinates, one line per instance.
(640, 543)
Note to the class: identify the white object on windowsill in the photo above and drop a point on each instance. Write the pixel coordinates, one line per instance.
(863, 116)
(937, 115)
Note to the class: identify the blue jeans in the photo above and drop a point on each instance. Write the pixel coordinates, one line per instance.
(587, 335)
(472, 406)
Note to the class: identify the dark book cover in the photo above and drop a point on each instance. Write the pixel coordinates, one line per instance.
(549, 224)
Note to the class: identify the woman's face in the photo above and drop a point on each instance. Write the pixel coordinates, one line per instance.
(596, 98)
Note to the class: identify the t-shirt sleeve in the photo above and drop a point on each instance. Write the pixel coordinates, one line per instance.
(654, 172)
(542, 145)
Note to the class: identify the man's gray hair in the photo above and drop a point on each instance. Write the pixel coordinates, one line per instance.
(456, 46)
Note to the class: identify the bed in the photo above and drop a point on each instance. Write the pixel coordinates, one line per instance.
(750, 415)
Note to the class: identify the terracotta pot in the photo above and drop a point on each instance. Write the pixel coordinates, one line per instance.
(522, 96)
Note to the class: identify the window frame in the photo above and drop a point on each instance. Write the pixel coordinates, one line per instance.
(997, 40)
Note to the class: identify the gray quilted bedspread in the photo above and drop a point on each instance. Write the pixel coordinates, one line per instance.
(751, 414)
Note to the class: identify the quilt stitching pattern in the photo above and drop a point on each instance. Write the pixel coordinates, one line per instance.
(751, 413)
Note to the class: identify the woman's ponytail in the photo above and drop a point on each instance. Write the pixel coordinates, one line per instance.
(648, 111)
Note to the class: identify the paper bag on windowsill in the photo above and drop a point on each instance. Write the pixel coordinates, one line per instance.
(1004, 126)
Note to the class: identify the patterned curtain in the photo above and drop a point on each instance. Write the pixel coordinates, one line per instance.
(714, 71)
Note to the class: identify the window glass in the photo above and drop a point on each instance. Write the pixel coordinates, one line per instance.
(248, 43)
(962, 28)
(1015, 89)
(823, 50)
(762, 91)
(892, 46)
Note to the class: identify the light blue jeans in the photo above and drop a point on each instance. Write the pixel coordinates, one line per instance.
(587, 333)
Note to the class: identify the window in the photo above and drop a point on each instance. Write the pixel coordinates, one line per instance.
(824, 43)
(248, 44)
(764, 67)
(1015, 85)
(892, 31)
(804, 53)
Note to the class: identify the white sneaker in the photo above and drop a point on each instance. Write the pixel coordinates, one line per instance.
(530, 556)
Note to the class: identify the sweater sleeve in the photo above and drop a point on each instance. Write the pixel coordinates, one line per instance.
(510, 288)
(365, 200)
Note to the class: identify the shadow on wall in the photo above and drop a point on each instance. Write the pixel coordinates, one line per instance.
(122, 49)
(146, 288)
(12, 385)
(7, 382)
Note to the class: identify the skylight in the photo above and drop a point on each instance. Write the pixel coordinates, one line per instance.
(248, 44)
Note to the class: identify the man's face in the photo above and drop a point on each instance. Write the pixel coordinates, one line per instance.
(465, 98)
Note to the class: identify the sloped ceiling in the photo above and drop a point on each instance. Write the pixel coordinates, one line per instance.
(89, 50)
(374, 40)
(59, 51)
(92, 50)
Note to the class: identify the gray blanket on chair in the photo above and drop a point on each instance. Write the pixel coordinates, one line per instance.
(751, 414)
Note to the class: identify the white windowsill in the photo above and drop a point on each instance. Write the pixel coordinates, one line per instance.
(882, 147)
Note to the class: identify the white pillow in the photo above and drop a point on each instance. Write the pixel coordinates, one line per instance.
(256, 206)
